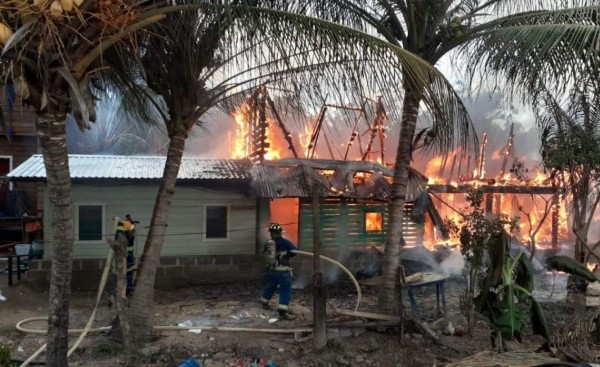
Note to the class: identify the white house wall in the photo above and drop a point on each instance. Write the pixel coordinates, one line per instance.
(186, 222)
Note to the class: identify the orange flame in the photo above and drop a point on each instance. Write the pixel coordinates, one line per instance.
(240, 146)
(373, 222)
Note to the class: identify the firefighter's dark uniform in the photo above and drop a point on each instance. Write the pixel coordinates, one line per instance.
(126, 227)
(279, 273)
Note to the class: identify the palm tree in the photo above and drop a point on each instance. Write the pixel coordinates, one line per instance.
(53, 51)
(570, 132)
(56, 49)
(200, 60)
(524, 43)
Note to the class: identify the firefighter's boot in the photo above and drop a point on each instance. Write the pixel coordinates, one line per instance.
(264, 303)
(285, 315)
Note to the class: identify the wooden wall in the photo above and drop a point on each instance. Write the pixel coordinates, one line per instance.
(23, 145)
(20, 149)
(343, 225)
(22, 118)
(186, 223)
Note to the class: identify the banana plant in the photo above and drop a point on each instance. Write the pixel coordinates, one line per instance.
(502, 304)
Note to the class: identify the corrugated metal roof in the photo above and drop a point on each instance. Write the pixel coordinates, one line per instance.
(136, 167)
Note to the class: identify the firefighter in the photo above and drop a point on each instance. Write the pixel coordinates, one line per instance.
(127, 228)
(279, 272)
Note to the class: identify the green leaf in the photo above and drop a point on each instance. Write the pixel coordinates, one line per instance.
(510, 322)
(523, 274)
(570, 266)
(538, 320)
(497, 250)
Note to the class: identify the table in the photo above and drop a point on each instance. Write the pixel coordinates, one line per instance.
(10, 258)
(427, 279)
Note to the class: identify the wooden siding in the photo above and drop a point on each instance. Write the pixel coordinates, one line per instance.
(22, 118)
(186, 223)
(343, 225)
(20, 149)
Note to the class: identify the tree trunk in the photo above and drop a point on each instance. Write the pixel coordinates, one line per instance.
(53, 139)
(141, 303)
(121, 326)
(387, 295)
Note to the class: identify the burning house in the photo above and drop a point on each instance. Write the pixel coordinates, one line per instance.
(222, 207)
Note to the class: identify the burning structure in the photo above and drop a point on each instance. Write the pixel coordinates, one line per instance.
(513, 191)
(354, 193)
(357, 190)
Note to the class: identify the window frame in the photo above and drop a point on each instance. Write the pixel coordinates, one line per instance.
(77, 232)
(205, 227)
(366, 212)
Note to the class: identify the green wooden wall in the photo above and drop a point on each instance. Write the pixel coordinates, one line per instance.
(342, 225)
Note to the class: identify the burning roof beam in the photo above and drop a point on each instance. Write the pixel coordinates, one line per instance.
(354, 133)
(377, 128)
(328, 164)
(312, 147)
(286, 133)
(508, 150)
(509, 189)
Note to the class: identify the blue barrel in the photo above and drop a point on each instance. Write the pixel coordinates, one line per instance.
(190, 363)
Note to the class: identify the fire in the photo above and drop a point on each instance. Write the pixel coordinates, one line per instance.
(240, 146)
(241, 143)
(535, 212)
(373, 222)
(305, 138)
(274, 150)
(432, 170)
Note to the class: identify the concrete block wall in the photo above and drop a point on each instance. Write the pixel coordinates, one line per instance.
(173, 272)
(181, 271)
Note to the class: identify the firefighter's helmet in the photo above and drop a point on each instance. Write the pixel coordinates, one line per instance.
(275, 227)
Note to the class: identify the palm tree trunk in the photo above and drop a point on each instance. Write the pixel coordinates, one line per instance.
(387, 296)
(141, 305)
(53, 139)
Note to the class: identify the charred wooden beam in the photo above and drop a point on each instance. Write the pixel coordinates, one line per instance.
(286, 133)
(354, 133)
(329, 164)
(508, 189)
(312, 147)
(555, 217)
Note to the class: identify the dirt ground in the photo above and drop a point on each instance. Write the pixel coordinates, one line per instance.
(234, 305)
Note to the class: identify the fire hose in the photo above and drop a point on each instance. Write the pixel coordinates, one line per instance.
(359, 294)
(88, 327)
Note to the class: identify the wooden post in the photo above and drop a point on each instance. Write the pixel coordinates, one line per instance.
(319, 292)
(489, 204)
(555, 217)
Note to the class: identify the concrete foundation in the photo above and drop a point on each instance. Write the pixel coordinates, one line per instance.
(182, 271)
(173, 272)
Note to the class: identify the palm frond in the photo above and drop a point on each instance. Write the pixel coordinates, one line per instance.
(311, 57)
(534, 49)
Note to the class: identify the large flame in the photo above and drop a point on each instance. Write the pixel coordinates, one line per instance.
(530, 209)
(241, 144)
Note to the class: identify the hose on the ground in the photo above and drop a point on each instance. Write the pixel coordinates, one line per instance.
(359, 294)
(23, 329)
(84, 331)
(88, 327)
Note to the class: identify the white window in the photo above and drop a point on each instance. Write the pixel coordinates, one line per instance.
(216, 222)
(89, 222)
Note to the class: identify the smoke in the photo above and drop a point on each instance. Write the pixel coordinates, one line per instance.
(454, 263)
